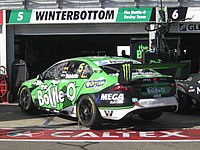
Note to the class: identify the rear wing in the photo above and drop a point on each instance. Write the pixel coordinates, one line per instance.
(179, 71)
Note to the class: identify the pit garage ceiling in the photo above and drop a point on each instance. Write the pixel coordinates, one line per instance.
(72, 29)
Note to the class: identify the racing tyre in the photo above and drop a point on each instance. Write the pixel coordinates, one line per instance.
(185, 102)
(87, 112)
(25, 101)
(198, 104)
(9, 97)
(150, 115)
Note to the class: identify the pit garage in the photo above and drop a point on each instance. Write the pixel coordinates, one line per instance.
(42, 37)
(41, 51)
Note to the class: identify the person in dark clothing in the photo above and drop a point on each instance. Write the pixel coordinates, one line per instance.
(124, 54)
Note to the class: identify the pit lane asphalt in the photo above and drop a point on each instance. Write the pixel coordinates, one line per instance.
(11, 116)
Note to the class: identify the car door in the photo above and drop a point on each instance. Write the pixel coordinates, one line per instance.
(47, 92)
(73, 76)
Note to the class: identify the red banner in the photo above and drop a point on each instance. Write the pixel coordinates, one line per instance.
(99, 135)
(1, 17)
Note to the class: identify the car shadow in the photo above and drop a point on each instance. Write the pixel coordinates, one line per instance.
(167, 121)
(11, 112)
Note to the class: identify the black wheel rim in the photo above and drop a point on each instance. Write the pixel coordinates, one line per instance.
(181, 95)
(25, 99)
(86, 111)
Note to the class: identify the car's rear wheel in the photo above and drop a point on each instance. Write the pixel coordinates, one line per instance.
(150, 115)
(87, 112)
(185, 102)
(25, 100)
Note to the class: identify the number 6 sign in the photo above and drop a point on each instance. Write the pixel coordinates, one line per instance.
(177, 14)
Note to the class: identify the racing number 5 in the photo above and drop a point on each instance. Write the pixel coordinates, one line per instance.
(20, 16)
(81, 67)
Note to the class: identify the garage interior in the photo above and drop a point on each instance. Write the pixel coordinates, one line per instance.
(189, 48)
(39, 52)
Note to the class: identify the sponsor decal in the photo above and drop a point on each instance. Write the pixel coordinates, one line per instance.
(193, 27)
(49, 95)
(100, 135)
(111, 96)
(146, 80)
(69, 76)
(191, 89)
(144, 48)
(157, 96)
(135, 100)
(198, 90)
(126, 71)
(114, 74)
(108, 62)
(134, 14)
(189, 27)
(140, 50)
(182, 27)
(25, 134)
(95, 84)
(89, 15)
(118, 61)
(158, 61)
(108, 113)
(98, 99)
(155, 90)
(37, 83)
(117, 102)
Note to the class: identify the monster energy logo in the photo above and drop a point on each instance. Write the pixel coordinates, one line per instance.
(127, 71)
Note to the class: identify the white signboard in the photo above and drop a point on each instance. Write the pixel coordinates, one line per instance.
(189, 27)
(126, 50)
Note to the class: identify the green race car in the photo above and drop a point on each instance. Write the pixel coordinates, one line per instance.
(93, 89)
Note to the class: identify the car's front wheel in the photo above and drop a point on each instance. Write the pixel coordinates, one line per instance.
(87, 112)
(25, 100)
(150, 115)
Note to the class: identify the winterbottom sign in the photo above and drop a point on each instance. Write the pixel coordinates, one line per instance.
(96, 15)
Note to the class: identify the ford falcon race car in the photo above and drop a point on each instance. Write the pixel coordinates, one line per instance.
(95, 89)
(188, 92)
